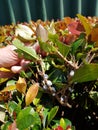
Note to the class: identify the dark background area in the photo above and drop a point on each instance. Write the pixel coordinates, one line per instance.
(13, 11)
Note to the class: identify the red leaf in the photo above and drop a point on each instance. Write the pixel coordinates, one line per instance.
(75, 28)
(59, 128)
(13, 126)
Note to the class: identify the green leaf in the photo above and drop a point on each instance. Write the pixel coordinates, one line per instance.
(62, 48)
(88, 72)
(67, 122)
(47, 47)
(27, 52)
(57, 76)
(10, 82)
(26, 118)
(52, 114)
(37, 121)
(94, 95)
(45, 113)
(14, 107)
(6, 125)
(76, 45)
(62, 123)
(53, 37)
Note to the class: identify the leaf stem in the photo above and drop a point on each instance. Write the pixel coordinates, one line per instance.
(74, 65)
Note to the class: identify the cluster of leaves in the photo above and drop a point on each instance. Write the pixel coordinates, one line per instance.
(63, 71)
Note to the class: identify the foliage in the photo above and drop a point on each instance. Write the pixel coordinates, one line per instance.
(62, 73)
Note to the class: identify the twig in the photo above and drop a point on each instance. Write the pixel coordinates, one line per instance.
(74, 65)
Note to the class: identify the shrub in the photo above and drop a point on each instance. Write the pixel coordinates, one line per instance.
(59, 85)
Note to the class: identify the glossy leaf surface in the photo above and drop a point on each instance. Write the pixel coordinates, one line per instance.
(88, 72)
(31, 93)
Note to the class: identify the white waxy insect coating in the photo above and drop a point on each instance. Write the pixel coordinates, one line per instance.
(49, 83)
(72, 73)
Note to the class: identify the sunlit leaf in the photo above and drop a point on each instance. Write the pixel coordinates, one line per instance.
(31, 93)
(62, 123)
(47, 47)
(2, 80)
(9, 88)
(45, 113)
(24, 33)
(42, 33)
(52, 114)
(85, 23)
(61, 47)
(88, 72)
(27, 52)
(21, 85)
(4, 69)
(67, 20)
(94, 35)
(2, 116)
(10, 82)
(25, 118)
(14, 107)
(2, 38)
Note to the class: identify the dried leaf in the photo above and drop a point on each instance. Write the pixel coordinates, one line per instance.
(31, 93)
(21, 85)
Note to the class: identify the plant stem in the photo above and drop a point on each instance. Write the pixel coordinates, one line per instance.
(74, 65)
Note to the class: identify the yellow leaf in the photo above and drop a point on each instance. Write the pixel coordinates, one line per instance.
(2, 38)
(8, 88)
(96, 44)
(2, 80)
(31, 93)
(85, 23)
(4, 69)
(21, 85)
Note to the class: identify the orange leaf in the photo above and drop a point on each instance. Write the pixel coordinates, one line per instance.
(21, 85)
(68, 20)
(94, 34)
(85, 23)
(31, 93)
